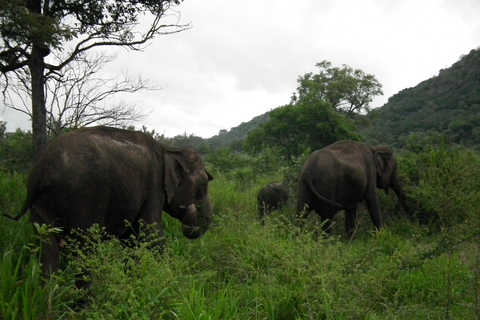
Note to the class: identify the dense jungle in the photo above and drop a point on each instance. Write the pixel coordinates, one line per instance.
(424, 264)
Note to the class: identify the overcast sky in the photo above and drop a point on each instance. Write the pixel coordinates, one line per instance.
(242, 58)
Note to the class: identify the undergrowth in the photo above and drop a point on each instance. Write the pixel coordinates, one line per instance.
(242, 270)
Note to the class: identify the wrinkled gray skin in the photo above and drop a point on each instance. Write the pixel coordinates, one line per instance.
(343, 174)
(271, 197)
(107, 176)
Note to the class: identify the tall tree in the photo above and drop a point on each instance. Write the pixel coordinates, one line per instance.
(321, 111)
(31, 29)
(294, 128)
(347, 90)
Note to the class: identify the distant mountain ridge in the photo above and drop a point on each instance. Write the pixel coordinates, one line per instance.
(226, 138)
(448, 103)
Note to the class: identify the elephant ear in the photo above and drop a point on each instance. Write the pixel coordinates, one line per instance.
(180, 165)
(176, 164)
(383, 156)
(210, 177)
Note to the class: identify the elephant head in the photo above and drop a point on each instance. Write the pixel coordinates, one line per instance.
(271, 197)
(387, 173)
(186, 186)
(385, 164)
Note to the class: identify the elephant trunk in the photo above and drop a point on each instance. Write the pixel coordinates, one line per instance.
(196, 220)
(396, 186)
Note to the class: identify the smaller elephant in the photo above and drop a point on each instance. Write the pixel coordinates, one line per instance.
(343, 174)
(271, 197)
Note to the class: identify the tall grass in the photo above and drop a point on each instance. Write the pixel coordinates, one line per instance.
(242, 270)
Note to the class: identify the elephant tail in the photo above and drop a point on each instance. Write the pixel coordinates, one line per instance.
(16, 218)
(318, 195)
(26, 206)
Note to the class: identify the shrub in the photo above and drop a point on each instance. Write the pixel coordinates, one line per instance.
(443, 185)
(16, 151)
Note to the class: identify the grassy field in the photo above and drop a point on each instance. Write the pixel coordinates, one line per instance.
(242, 270)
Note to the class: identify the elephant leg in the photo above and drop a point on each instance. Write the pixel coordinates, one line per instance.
(261, 209)
(327, 214)
(373, 206)
(50, 255)
(49, 243)
(152, 225)
(350, 220)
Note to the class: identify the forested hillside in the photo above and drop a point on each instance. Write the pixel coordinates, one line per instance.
(237, 134)
(448, 103)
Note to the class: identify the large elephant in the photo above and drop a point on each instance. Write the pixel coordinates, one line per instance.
(109, 176)
(271, 197)
(343, 174)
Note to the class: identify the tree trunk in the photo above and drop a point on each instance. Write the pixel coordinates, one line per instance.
(39, 112)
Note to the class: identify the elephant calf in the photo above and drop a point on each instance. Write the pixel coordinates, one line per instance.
(271, 197)
(108, 176)
(343, 174)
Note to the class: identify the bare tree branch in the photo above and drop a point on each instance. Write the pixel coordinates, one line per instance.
(80, 96)
(97, 39)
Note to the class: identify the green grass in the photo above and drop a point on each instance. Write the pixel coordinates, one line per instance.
(242, 270)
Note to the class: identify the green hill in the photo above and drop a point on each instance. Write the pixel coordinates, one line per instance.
(237, 134)
(448, 103)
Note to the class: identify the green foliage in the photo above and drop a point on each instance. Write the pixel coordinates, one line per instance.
(443, 186)
(186, 141)
(225, 161)
(12, 193)
(347, 90)
(308, 124)
(16, 151)
(425, 142)
(245, 170)
(23, 294)
(21, 23)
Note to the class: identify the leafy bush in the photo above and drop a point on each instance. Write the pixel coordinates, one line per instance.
(443, 186)
(12, 195)
(245, 170)
(309, 123)
(16, 151)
